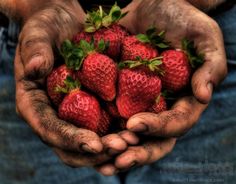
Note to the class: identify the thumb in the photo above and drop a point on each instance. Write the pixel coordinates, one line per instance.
(207, 76)
(36, 51)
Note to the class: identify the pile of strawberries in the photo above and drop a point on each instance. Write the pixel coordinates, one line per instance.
(110, 75)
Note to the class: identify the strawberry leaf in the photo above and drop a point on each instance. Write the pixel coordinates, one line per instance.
(106, 22)
(157, 39)
(102, 45)
(72, 54)
(162, 45)
(90, 29)
(195, 59)
(129, 64)
(66, 48)
(143, 38)
(70, 84)
(123, 15)
(85, 46)
(98, 19)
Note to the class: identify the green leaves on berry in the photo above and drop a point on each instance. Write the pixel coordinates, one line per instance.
(195, 59)
(74, 54)
(153, 64)
(98, 19)
(156, 39)
(70, 84)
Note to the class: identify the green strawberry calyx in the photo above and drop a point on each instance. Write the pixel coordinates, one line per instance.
(153, 64)
(70, 84)
(98, 19)
(154, 38)
(195, 59)
(74, 54)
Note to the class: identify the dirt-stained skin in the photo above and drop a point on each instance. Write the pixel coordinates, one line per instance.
(44, 29)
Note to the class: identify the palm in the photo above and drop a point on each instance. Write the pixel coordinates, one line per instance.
(179, 20)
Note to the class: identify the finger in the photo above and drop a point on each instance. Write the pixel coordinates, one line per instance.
(147, 153)
(35, 44)
(113, 144)
(210, 74)
(129, 137)
(47, 29)
(34, 106)
(208, 41)
(107, 169)
(175, 122)
(73, 159)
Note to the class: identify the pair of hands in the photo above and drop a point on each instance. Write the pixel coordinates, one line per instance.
(45, 30)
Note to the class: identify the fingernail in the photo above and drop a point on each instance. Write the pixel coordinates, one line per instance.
(210, 87)
(141, 127)
(86, 148)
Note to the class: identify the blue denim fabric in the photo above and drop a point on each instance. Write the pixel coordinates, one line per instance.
(206, 154)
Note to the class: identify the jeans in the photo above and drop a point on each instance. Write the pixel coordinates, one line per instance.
(206, 154)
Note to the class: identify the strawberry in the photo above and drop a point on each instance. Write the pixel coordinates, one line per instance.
(143, 45)
(99, 74)
(137, 89)
(83, 110)
(159, 105)
(120, 30)
(101, 25)
(113, 35)
(133, 48)
(177, 70)
(55, 81)
(82, 36)
(96, 71)
(111, 38)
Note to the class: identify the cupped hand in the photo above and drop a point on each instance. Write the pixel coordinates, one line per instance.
(179, 20)
(41, 34)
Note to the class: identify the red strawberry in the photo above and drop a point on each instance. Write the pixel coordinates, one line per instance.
(120, 30)
(159, 106)
(110, 37)
(177, 70)
(113, 35)
(56, 80)
(82, 36)
(96, 71)
(99, 74)
(137, 91)
(133, 48)
(83, 110)
(105, 34)
(101, 25)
